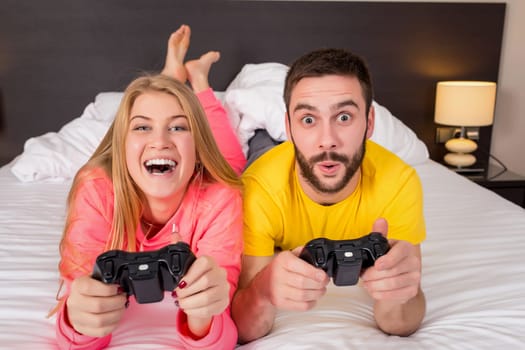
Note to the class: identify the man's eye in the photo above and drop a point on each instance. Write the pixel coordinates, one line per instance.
(344, 117)
(308, 120)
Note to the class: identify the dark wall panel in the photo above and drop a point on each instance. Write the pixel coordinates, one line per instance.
(56, 55)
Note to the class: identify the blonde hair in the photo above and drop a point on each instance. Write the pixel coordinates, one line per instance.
(110, 156)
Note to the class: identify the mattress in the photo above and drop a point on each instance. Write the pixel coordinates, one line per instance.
(473, 277)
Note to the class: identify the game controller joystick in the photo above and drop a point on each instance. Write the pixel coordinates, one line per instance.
(344, 260)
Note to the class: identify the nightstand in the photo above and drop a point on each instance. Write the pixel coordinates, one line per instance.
(507, 184)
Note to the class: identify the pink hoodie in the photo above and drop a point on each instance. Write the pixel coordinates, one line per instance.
(209, 219)
(221, 127)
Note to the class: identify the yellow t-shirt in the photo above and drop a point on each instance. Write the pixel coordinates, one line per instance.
(279, 215)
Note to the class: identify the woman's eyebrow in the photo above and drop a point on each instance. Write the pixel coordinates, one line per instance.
(173, 117)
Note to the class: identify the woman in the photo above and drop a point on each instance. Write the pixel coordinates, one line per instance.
(158, 177)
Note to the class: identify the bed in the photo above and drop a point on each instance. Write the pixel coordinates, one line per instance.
(473, 272)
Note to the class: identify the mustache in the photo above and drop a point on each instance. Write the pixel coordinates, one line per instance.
(330, 156)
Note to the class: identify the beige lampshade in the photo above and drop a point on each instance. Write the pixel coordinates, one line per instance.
(465, 103)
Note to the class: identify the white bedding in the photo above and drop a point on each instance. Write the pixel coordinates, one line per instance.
(473, 277)
(253, 101)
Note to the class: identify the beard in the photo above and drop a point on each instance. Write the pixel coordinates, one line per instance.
(351, 165)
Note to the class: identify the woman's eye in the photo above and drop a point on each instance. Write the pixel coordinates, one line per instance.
(344, 117)
(308, 120)
(178, 128)
(140, 128)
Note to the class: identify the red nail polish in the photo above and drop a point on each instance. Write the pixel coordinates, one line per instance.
(174, 294)
(182, 284)
(176, 302)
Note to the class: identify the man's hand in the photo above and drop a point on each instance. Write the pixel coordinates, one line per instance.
(395, 276)
(290, 283)
(394, 283)
(93, 307)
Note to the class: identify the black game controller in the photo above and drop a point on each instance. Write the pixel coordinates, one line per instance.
(145, 274)
(344, 260)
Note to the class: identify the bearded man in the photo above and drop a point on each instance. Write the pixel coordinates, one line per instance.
(328, 181)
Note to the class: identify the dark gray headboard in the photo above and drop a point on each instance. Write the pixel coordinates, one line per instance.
(56, 55)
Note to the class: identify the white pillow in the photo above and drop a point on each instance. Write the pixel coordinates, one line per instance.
(254, 100)
(57, 156)
(398, 138)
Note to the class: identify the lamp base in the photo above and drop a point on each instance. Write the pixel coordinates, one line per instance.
(473, 170)
(461, 145)
(462, 163)
(460, 160)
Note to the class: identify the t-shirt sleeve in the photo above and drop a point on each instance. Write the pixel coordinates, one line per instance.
(263, 220)
(405, 213)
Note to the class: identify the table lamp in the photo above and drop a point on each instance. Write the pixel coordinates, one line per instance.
(464, 104)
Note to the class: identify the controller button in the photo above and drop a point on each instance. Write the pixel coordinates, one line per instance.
(108, 269)
(175, 263)
(319, 255)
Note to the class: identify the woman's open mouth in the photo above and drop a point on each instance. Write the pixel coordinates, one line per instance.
(160, 166)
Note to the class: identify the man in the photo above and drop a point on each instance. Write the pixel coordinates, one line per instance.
(328, 181)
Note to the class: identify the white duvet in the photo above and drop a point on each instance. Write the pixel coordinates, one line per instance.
(253, 100)
(473, 277)
(473, 270)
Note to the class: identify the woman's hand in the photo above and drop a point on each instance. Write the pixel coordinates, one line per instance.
(93, 307)
(202, 293)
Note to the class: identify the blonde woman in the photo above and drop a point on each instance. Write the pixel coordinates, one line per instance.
(158, 177)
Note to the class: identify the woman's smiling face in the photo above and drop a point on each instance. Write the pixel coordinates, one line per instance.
(160, 149)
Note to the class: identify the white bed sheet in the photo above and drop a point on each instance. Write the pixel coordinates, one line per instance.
(473, 277)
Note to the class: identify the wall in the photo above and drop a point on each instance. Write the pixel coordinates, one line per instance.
(508, 138)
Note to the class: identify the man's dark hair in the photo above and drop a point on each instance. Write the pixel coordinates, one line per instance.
(329, 62)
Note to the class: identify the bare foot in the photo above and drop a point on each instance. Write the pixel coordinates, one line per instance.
(178, 44)
(199, 69)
